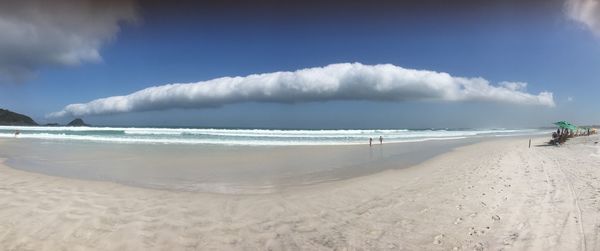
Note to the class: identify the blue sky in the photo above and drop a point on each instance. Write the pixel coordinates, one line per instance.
(535, 43)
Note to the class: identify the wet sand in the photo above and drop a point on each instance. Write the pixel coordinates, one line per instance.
(216, 168)
(494, 195)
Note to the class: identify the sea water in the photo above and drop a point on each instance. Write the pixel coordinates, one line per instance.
(232, 161)
(267, 137)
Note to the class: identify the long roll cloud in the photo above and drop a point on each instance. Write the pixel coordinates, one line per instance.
(346, 81)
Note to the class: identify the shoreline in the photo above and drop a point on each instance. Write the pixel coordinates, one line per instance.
(232, 170)
(249, 137)
(5, 160)
(490, 195)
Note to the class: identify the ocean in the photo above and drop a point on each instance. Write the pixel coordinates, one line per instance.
(232, 161)
(250, 137)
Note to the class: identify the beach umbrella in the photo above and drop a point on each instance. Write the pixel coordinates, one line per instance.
(561, 123)
(565, 125)
(572, 127)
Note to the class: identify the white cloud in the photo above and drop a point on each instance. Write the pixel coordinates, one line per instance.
(586, 12)
(514, 86)
(344, 81)
(39, 33)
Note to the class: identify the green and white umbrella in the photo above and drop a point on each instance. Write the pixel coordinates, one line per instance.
(566, 125)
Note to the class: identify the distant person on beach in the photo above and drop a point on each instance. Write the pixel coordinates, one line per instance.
(370, 141)
(17, 132)
(381, 140)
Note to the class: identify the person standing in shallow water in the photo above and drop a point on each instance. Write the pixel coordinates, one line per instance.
(381, 140)
(370, 141)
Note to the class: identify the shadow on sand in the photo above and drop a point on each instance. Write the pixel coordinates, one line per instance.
(544, 145)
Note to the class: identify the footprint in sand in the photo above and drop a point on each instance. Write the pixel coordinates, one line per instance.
(438, 239)
(496, 218)
(458, 221)
(510, 239)
(473, 231)
(479, 246)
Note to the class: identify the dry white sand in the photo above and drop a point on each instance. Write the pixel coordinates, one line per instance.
(491, 195)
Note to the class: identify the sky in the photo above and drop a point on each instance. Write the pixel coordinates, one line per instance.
(303, 64)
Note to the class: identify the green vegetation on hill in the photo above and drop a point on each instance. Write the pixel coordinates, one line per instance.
(12, 118)
(77, 122)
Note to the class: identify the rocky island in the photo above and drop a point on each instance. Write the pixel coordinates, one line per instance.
(77, 122)
(16, 119)
(12, 118)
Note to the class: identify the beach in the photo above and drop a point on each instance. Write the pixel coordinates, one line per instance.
(230, 161)
(496, 194)
(299, 125)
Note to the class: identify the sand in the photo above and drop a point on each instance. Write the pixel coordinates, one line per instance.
(216, 168)
(497, 195)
